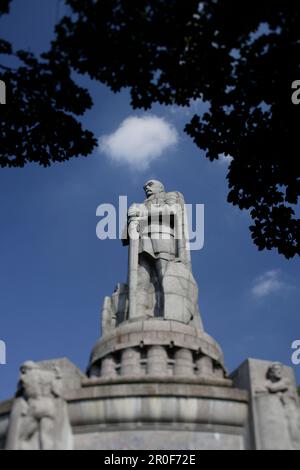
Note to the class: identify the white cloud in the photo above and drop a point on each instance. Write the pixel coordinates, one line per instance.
(225, 159)
(139, 141)
(269, 283)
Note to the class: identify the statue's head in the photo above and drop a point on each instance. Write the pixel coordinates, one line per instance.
(27, 373)
(153, 187)
(35, 380)
(275, 372)
(28, 367)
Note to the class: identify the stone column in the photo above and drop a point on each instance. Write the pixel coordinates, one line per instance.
(131, 362)
(108, 367)
(95, 371)
(204, 366)
(219, 373)
(157, 363)
(184, 365)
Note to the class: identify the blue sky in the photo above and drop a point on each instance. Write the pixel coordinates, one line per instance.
(54, 272)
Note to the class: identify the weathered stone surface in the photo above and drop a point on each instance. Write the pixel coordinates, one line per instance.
(131, 362)
(71, 376)
(184, 363)
(108, 367)
(157, 361)
(161, 440)
(158, 403)
(204, 366)
(155, 325)
(148, 379)
(5, 408)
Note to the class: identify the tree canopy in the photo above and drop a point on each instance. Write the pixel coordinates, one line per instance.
(39, 122)
(239, 57)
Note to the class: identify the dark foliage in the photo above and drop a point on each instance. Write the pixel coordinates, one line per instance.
(239, 56)
(39, 122)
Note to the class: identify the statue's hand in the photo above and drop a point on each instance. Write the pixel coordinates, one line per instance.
(135, 211)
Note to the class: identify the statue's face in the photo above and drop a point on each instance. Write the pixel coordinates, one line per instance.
(27, 367)
(275, 372)
(27, 380)
(153, 187)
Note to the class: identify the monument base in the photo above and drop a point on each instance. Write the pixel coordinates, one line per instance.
(178, 411)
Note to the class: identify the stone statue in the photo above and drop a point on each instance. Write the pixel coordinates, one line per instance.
(279, 409)
(39, 418)
(160, 280)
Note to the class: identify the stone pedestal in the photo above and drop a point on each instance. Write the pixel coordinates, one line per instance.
(154, 384)
(158, 384)
(158, 413)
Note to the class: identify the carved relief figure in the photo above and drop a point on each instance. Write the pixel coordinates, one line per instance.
(279, 399)
(39, 418)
